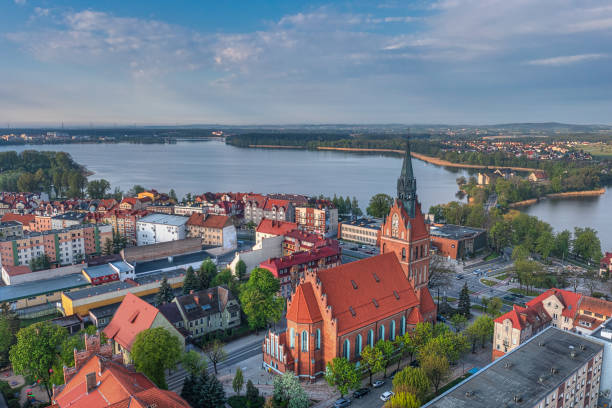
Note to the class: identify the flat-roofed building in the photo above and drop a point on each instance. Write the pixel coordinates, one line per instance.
(14, 275)
(457, 241)
(362, 231)
(161, 250)
(556, 368)
(156, 228)
(10, 229)
(67, 219)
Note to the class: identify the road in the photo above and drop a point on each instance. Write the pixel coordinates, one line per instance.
(175, 380)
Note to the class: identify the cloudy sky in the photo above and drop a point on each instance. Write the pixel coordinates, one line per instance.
(281, 62)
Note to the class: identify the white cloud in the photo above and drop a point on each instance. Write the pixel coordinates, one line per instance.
(566, 59)
(20, 2)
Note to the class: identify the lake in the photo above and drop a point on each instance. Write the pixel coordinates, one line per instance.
(202, 166)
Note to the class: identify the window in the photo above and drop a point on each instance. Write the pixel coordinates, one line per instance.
(346, 349)
(318, 339)
(392, 330)
(291, 337)
(403, 254)
(403, 328)
(358, 345)
(371, 338)
(381, 332)
(304, 340)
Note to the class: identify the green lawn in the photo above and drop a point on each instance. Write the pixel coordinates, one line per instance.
(447, 387)
(600, 150)
(488, 282)
(27, 322)
(478, 307)
(524, 292)
(491, 256)
(503, 276)
(450, 299)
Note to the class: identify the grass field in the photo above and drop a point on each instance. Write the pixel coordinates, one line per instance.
(491, 256)
(600, 150)
(488, 282)
(503, 276)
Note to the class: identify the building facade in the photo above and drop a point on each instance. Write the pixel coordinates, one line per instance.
(320, 218)
(272, 228)
(214, 230)
(156, 228)
(457, 241)
(62, 247)
(605, 266)
(362, 231)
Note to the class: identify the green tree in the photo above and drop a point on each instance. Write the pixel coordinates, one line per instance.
(154, 351)
(412, 380)
(9, 325)
(215, 353)
(372, 359)
(165, 294)
(172, 195)
(562, 244)
(405, 344)
(238, 381)
(227, 278)
(206, 274)
(499, 235)
(98, 188)
(203, 391)
(37, 351)
(403, 400)
(464, 303)
(342, 374)
(356, 211)
(520, 253)
(380, 204)
(586, 244)
(252, 396)
(190, 282)
(545, 244)
(458, 321)
(259, 299)
(241, 270)
(288, 392)
(193, 363)
(436, 368)
(494, 306)
(387, 349)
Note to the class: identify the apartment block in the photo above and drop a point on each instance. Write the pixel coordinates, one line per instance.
(156, 228)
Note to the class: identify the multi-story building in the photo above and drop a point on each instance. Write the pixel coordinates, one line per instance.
(209, 310)
(457, 241)
(605, 266)
(27, 221)
(43, 223)
(215, 230)
(319, 218)
(556, 368)
(11, 229)
(68, 219)
(298, 241)
(100, 378)
(163, 208)
(124, 222)
(555, 307)
(156, 228)
(279, 210)
(133, 203)
(362, 231)
(271, 228)
(289, 269)
(133, 316)
(188, 209)
(62, 247)
(336, 312)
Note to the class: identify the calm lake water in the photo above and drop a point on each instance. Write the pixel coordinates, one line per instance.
(202, 166)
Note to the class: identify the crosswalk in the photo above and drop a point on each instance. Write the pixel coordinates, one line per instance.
(177, 377)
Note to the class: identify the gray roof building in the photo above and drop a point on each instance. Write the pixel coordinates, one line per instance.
(526, 376)
(29, 289)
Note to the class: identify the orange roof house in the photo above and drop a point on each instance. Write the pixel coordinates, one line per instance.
(100, 379)
(133, 316)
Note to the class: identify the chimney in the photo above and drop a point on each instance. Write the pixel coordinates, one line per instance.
(90, 379)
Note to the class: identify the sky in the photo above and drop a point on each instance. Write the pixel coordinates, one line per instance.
(304, 62)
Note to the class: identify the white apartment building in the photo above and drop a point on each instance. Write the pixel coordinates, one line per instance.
(156, 228)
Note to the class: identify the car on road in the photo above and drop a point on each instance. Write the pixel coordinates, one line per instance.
(360, 392)
(342, 402)
(459, 277)
(414, 363)
(386, 396)
(378, 383)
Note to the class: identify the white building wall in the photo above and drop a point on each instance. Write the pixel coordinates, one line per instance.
(152, 233)
(38, 275)
(230, 238)
(267, 248)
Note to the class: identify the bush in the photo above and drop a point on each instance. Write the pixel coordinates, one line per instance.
(597, 295)
(237, 402)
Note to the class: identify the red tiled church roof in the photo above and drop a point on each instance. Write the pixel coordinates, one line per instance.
(303, 307)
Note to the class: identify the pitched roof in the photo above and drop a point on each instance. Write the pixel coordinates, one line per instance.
(273, 227)
(569, 299)
(274, 202)
(133, 316)
(24, 219)
(366, 291)
(208, 220)
(17, 270)
(205, 302)
(594, 305)
(427, 304)
(607, 259)
(299, 258)
(303, 307)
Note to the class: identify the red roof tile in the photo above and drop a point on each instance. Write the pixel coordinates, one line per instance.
(208, 221)
(569, 299)
(594, 305)
(273, 227)
(272, 202)
(24, 219)
(303, 307)
(377, 280)
(133, 316)
(17, 270)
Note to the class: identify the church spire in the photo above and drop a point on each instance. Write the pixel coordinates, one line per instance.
(406, 184)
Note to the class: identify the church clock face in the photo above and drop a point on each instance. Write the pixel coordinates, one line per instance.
(394, 225)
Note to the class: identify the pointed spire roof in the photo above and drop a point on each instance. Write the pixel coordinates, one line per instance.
(406, 184)
(407, 165)
(303, 307)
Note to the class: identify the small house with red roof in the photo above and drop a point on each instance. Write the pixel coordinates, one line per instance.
(214, 230)
(133, 316)
(336, 312)
(272, 228)
(537, 176)
(559, 308)
(99, 378)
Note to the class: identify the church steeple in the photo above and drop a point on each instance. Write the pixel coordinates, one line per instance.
(406, 184)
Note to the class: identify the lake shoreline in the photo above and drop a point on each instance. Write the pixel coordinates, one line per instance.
(567, 194)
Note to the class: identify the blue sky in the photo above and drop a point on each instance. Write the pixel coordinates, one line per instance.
(287, 62)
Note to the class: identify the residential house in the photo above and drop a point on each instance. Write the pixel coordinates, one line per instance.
(272, 228)
(215, 230)
(605, 266)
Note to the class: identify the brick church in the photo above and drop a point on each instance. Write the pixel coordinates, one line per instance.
(338, 311)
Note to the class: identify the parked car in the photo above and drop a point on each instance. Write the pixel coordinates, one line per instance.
(342, 402)
(386, 396)
(378, 383)
(414, 363)
(459, 277)
(360, 392)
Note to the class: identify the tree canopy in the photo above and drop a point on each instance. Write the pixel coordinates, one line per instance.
(259, 299)
(154, 351)
(342, 374)
(379, 206)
